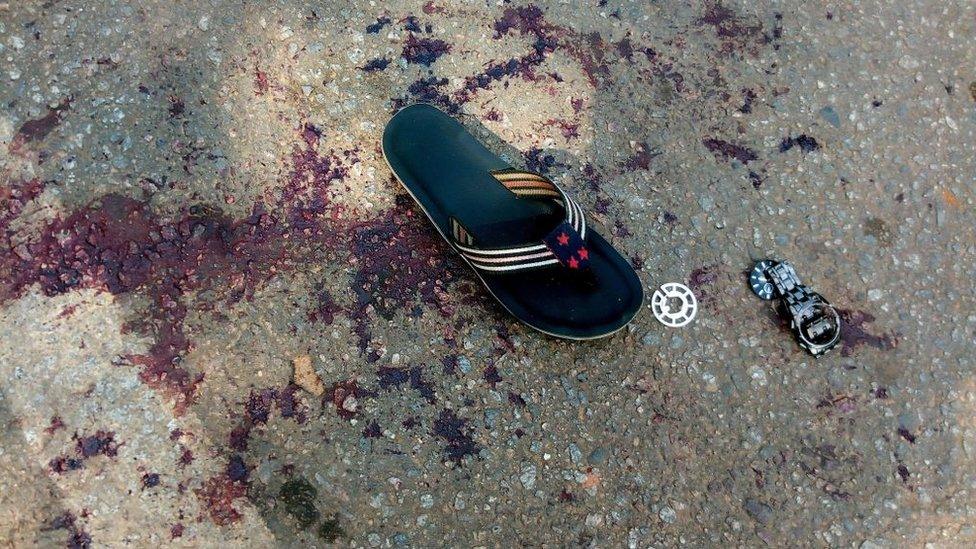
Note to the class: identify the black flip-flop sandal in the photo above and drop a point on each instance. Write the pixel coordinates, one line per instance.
(524, 236)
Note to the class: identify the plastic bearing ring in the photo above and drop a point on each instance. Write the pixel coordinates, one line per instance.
(660, 305)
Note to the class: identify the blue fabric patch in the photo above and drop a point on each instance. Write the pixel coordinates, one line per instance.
(568, 247)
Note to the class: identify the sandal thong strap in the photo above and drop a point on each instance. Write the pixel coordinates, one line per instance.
(565, 245)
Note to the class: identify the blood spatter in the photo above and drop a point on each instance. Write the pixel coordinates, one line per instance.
(217, 497)
(430, 90)
(374, 28)
(391, 276)
(290, 405)
(261, 83)
(804, 142)
(326, 309)
(86, 446)
(590, 51)
(37, 129)
(903, 472)
(906, 434)
(756, 179)
(101, 443)
(726, 150)
(539, 161)
(625, 49)
(602, 205)
(411, 24)
(258, 407)
(306, 193)
(524, 19)
(186, 456)
(374, 65)
(748, 97)
(776, 35)
(117, 244)
(621, 230)
(77, 537)
(56, 424)
(641, 160)
(733, 32)
(176, 107)
(424, 51)
(150, 480)
(449, 364)
(854, 334)
(236, 469)
(457, 433)
(516, 400)
(257, 411)
(63, 464)
(419, 384)
(393, 377)
(345, 396)
(703, 276)
(14, 197)
(569, 130)
(373, 430)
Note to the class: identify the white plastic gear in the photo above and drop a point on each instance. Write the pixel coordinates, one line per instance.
(662, 310)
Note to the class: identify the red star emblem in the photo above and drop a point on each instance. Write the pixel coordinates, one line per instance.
(563, 239)
(573, 264)
(584, 254)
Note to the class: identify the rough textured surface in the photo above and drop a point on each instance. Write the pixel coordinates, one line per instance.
(193, 194)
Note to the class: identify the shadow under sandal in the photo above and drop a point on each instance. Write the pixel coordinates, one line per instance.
(522, 234)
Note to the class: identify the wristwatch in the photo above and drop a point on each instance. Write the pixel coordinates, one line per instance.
(814, 322)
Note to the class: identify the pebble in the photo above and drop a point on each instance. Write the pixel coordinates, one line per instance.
(908, 62)
(667, 514)
(650, 339)
(758, 510)
(711, 383)
(426, 501)
(830, 115)
(574, 453)
(464, 364)
(527, 478)
(491, 415)
(597, 456)
(758, 375)
(707, 203)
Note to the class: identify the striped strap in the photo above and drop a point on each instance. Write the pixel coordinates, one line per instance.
(564, 245)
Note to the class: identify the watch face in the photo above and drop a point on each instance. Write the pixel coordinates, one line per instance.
(759, 281)
(819, 327)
